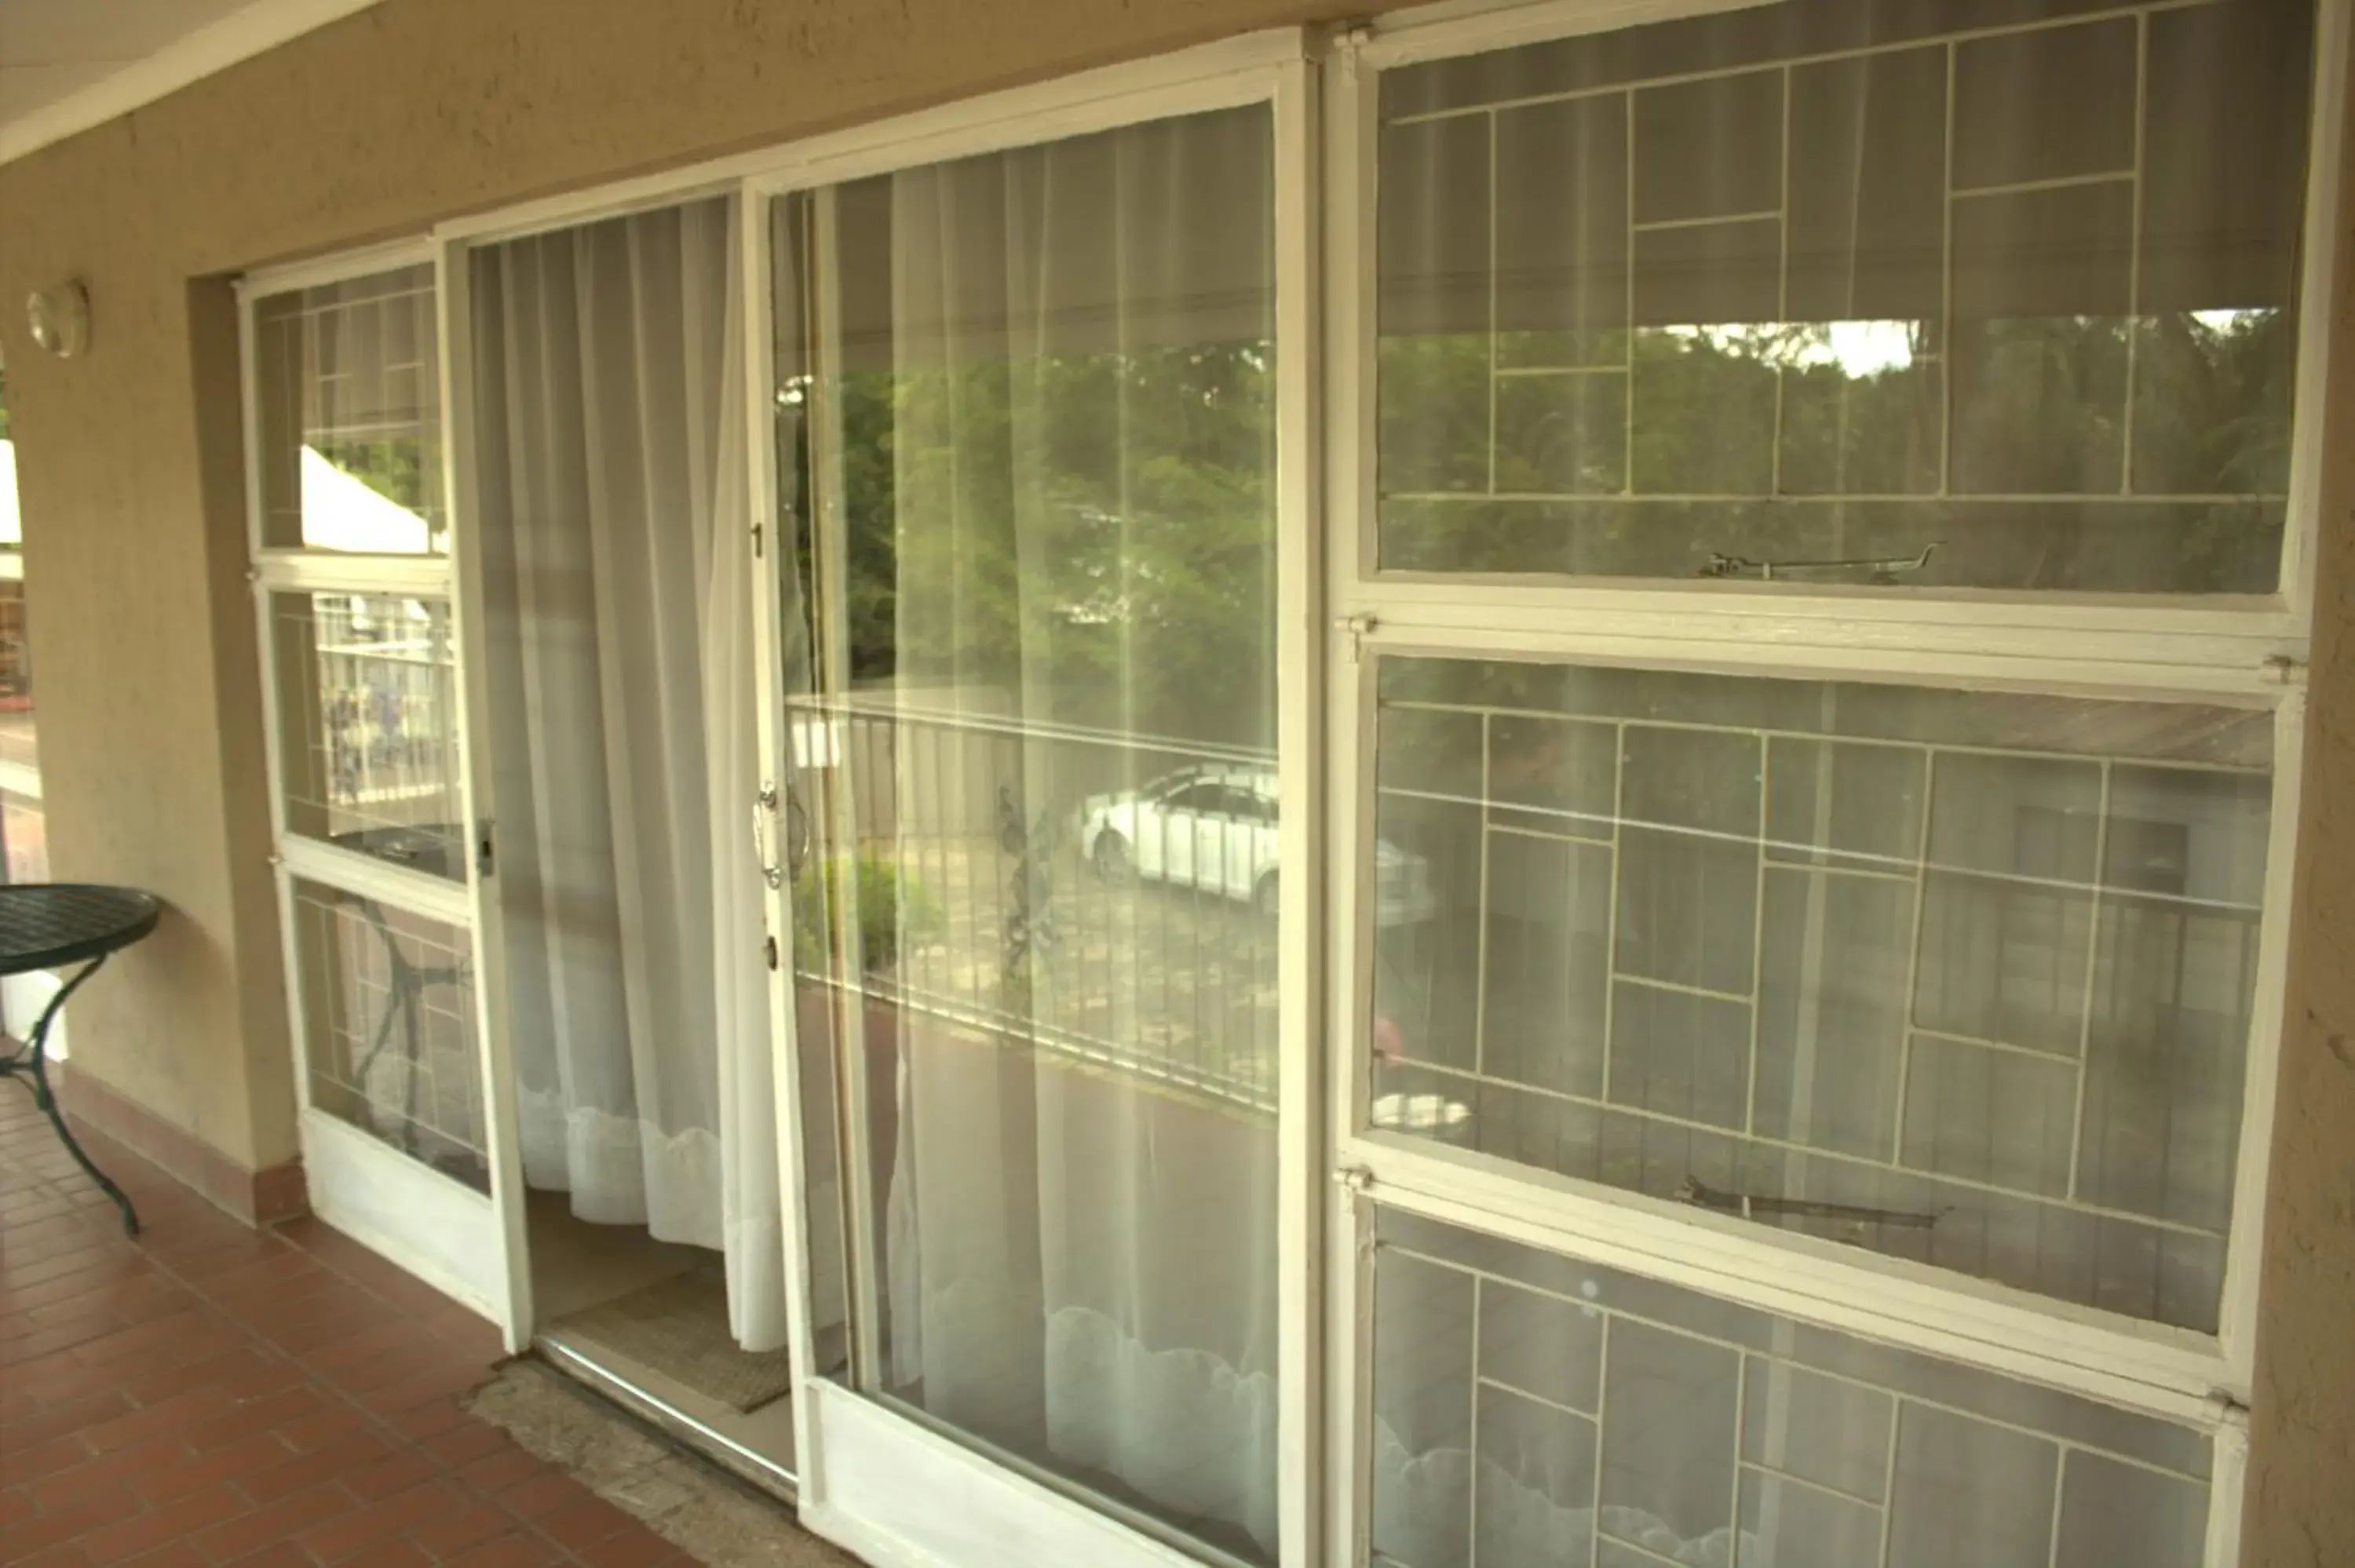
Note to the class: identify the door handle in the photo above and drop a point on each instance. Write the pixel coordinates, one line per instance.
(764, 808)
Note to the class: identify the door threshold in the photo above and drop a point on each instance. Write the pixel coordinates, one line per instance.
(746, 1464)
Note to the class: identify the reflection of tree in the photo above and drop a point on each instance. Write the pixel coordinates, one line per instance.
(393, 468)
(2212, 404)
(1096, 532)
(1801, 440)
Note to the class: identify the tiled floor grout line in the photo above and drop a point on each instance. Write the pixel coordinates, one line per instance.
(208, 1283)
(380, 1425)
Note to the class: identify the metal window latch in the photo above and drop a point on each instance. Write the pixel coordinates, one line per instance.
(1751, 1207)
(2228, 1409)
(1356, 629)
(1354, 1179)
(2282, 669)
(1878, 569)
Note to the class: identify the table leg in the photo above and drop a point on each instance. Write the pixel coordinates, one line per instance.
(47, 1100)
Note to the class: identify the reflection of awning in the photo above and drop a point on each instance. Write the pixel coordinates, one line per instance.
(12, 526)
(341, 513)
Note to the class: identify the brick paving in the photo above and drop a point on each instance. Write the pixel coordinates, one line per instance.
(209, 1393)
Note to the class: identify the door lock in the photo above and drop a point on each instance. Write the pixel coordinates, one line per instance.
(764, 808)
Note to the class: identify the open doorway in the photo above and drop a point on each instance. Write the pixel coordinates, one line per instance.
(610, 476)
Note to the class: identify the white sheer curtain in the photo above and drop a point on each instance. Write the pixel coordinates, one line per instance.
(1078, 543)
(620, 649)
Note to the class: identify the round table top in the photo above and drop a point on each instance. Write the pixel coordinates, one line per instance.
(44, 924)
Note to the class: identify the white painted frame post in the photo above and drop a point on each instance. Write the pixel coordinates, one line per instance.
(502, 1113)
(1349, 456)
(1302, 1162)
(772, 549)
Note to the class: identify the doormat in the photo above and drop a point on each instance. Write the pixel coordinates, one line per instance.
(681, 1495)
(678, 1327)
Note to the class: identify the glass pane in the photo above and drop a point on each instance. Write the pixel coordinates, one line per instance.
(1961, 977)
(367, 710)
(24, 843)
(349, 394)
(1744, 295)
(1717, 1435)
(1038, 925)
(388, 1027)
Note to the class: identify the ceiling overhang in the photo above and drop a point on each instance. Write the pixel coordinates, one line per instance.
(151, 66)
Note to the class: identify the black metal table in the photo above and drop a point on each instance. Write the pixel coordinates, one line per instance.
(47, 925)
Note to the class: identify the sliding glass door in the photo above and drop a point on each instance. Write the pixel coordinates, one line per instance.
(1026, 821)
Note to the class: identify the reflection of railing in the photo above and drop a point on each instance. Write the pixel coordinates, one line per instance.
(1946, 990)
(384, 692)
(969, 849)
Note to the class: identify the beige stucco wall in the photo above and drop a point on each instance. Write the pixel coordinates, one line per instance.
(377, 126)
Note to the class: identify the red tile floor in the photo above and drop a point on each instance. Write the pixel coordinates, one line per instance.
(208, 1393)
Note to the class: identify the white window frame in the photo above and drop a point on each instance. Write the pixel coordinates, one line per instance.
(462, 1242)
(2247, 650)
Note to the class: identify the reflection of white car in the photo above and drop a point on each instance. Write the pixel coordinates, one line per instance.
(1215, 829)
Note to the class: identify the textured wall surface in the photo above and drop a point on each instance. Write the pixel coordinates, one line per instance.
(2301, 1498)
(418, 110)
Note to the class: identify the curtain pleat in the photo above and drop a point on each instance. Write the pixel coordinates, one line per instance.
(620, 653)
(1080, 1264)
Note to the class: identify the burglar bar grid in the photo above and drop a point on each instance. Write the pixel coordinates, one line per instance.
(1001, 924)
(2105, 909)
(1569, 429)
(1821, 56)
(347, 371)
(1610, 1541)
(1780, 214)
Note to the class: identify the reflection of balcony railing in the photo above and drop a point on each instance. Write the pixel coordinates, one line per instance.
(383, 752)
(968, 860)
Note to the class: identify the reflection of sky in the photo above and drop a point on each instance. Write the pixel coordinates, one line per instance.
(1863, 348)
(1866, 348)
(342, 511)
(1860, 349)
